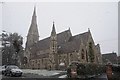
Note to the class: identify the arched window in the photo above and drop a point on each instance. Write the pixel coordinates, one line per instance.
(25, 60)
(82, 54)
(86, 55)
(71, 57)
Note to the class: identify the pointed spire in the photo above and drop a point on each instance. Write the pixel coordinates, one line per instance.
(53, 29)
(69, 28)
(88, 29)
(33, 34)
(34, 13)
(34, 16)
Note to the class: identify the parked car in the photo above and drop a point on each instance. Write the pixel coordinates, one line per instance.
(12, 70)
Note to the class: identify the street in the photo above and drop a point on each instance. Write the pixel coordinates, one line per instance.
(27, 73)
(36, 74)
(39, 74)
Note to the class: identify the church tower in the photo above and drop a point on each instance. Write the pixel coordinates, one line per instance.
(53, 49)
(33, 34)
(32, 37)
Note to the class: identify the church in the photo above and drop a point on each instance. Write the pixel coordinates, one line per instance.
(59, 49)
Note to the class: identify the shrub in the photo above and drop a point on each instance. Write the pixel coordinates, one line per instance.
(90, 69)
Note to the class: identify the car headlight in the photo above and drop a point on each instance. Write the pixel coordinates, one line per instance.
(13, 71)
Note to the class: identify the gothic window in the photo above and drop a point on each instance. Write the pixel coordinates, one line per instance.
(33, 63)
(82, 54)
(71, 57)
(42, 61)
(36, 61)
(86, 56)
(53, 47)
(25, 60)
(39, 61)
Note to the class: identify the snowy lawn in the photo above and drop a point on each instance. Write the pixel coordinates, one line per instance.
(63, 76)
(42, 72)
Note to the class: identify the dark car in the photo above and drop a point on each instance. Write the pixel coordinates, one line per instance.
(12, 70)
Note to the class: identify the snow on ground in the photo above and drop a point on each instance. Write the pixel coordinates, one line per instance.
(63, 76)
(55, 74)
(42, 72)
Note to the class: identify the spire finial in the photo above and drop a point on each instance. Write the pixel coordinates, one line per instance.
(88, 29)
(53, 25)
(53, 28)
(34, 13)
(34, 5)
(69, 28)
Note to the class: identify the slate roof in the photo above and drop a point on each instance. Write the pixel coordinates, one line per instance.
(73, 43)
(65, 41)
(109, 57)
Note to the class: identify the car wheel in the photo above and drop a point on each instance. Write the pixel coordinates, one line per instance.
(20, 75)
(5, 74)
(11, 74)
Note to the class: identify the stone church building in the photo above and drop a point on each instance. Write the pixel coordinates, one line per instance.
(59, 48)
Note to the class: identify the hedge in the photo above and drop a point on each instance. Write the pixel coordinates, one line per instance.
(90, 69)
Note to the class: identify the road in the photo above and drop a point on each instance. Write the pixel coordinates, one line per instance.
(46, 74)
(37, 74)
(56, 75)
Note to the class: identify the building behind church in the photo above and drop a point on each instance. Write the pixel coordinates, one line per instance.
(110, 58)
(59, 48)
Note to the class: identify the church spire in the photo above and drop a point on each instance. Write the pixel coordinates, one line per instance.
(53, 29)
(34, 16)
(33, 34)
(53, 48)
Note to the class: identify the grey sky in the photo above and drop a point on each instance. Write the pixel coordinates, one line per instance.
(100, 17)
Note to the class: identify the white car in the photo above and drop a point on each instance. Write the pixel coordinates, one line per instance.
(12, 70)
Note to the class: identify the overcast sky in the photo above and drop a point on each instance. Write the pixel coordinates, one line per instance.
(100, 17)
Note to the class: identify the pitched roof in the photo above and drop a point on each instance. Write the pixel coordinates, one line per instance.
(65, 41)
(45, 43)
(82, 36)
(73, 43)
(109, 57)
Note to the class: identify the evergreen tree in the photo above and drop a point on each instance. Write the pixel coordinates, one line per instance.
(12, 48)
(91, 52)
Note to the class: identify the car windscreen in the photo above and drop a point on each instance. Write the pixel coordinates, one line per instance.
(13, 67)
(3, 67)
